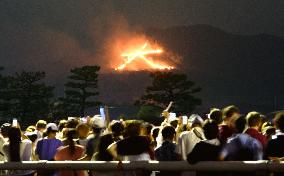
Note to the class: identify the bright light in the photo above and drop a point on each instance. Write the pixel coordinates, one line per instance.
(141, 54)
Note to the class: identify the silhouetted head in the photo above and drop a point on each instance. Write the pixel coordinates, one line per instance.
(216, 115)
(279, 121)
(168, 132)
(254, 119)
(240, 124)
(211, 129)
(133, 128)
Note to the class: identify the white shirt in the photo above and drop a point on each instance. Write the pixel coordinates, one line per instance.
(25, 150)
(25, 155)
(187, 140)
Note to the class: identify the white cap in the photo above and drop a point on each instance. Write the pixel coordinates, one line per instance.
(52, 126)
(195, 118)
(98, 122)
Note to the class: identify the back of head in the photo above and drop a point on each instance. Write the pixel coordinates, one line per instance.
(216, 115)
(168, 132)
(211, 130)
(174, 122)
(62, 124)
(133, 128)
(83, 130)
(51, 128)
(104, 142)
(228, 111)
(71, 135)
(72, 123)
(31, 128)
(5, 129)
(97, 124)
(279, 121)
(117, 128)
(41, 124)
(155, 132)
(147, 127)
(254, 119)
(240, 124)
(195, 120)
(32, 136)
(103, 154)
(268, 129)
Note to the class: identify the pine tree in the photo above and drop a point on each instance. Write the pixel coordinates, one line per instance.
(81, 89)
(170, 86)
(26, 97)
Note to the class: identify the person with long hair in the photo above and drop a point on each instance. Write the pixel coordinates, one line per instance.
(17, 150)
(70, 152)
(103, 154)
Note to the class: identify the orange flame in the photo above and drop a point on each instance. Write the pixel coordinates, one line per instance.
(142, 55)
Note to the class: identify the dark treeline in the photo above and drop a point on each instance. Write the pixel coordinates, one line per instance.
(25, 95)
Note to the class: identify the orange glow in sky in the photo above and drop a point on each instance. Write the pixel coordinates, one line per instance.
(144, 54)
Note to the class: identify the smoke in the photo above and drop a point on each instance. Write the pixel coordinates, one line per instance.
(112, 35)
(60, 41)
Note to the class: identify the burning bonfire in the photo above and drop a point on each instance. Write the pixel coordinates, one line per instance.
(145, 54)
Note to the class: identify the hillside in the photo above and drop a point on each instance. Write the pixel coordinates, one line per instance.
(245, 70)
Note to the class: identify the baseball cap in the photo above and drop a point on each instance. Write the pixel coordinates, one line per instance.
(97, 122)
(195, 118)
(52, 127)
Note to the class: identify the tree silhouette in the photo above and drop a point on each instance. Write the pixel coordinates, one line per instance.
(25, 97)
(170, 86)
(81, 89)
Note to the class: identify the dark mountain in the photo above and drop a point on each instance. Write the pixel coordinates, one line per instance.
(232, 69)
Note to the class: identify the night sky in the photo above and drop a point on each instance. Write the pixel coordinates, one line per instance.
(57, 35)
(36, 34)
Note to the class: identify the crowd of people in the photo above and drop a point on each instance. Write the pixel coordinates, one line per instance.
(223, 135)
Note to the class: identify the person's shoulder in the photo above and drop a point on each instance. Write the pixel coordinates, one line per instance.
(55, 140)
(250, 141)
(223, 127)
(61, 148)
(184, 133)
(79, 147)
(158, 150)
(90, 137)
(136, 138)
(143, 138)
(6, 144)
(243, 138)
(27, 141)
(251, 131)
(58, 140)
(2, 140)
(40, 140)
(202, 144)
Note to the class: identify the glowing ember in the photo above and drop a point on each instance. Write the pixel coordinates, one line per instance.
(141, 54)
